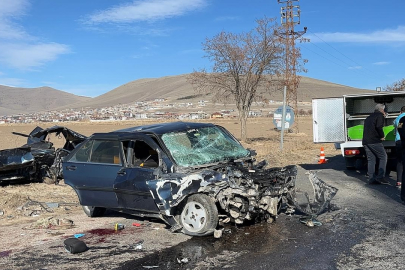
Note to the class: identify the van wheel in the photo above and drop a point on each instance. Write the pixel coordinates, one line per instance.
(92, 211)
(199, 215)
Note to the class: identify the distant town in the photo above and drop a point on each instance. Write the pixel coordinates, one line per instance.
(159, 108)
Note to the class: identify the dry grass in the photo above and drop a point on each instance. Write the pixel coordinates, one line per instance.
(298, 148)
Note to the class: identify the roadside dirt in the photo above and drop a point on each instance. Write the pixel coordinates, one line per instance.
(35, 218)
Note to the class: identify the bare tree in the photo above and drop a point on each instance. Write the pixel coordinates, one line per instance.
(396, 86)
(243, 64)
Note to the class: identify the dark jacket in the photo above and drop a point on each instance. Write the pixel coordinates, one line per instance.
(401, 130)
(373, 128)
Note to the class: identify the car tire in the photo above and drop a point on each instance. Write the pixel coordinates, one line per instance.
(198, 215)
(92, 211)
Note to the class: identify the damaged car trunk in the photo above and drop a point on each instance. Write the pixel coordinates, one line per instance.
(38, 158)
(187, 174)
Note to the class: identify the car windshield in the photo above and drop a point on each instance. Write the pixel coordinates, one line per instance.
(199, 146)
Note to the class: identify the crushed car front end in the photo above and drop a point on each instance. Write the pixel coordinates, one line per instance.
(211, 161)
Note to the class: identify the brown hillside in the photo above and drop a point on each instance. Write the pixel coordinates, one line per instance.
(26, 100)
(177, 89)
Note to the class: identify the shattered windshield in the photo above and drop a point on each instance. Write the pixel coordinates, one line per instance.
(204, 145)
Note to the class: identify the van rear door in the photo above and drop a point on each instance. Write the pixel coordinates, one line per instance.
(328, 116)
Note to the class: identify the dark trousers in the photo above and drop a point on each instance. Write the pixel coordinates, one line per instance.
(375, 151)
(400, 167)
(403, 177)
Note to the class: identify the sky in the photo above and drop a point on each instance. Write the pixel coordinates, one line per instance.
(91, 47)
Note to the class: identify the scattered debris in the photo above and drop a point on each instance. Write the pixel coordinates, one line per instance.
(1, 212)
(150, 266)
(52, 223)
(52, 204)
(182, 261)
(78, 235)
(119, 226)
(138, 245)
(320, 202)
(31, 203)
(218, 233)
(136, 224)
(310, 221)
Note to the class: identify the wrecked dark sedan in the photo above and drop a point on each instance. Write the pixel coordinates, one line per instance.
(188, 174)
(38, 158)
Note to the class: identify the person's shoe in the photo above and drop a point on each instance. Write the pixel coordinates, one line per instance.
(373, 181)
(398, 185)
(383, 181)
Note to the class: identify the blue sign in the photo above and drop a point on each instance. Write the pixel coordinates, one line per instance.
(289, 117)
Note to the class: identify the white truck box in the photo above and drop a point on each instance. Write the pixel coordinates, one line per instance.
(332, 117)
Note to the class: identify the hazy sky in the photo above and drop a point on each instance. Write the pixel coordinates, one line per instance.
(89, 47)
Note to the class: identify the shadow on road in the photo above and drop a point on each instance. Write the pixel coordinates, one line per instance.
(337, 163)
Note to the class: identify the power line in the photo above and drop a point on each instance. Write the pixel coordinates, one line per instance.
(358, 64)
(360, 71)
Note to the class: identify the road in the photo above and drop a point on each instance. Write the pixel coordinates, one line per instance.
(365, 230)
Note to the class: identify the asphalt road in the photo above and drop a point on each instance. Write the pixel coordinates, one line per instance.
(365, 232)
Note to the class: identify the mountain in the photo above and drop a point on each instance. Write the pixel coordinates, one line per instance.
(177, 89)
(172, 88)
(27, 100)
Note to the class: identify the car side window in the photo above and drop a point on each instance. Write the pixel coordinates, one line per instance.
(144, 156)
(106, 152)
(83, 154)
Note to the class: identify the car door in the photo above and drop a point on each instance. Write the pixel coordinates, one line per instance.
(92, 170)
(130, 185)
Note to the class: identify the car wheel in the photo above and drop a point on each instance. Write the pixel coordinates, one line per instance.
(92, 211)
(199, 215)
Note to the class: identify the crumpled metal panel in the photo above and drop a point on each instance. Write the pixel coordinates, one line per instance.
(315, 203)
(15, 158)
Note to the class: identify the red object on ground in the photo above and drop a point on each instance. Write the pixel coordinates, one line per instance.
(136, 224)
(322, 157)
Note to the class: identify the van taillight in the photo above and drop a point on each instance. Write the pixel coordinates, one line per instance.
(352, 152)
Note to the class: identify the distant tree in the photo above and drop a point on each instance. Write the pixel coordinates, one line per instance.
(243, 64)
(396, 86)
(302, 112)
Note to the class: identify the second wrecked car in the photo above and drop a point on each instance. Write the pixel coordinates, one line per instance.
(38, 158)
(187, 174)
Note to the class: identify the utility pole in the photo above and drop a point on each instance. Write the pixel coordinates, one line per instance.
(291, 16)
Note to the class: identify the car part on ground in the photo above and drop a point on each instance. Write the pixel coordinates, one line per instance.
(187, 174)
(38, 158)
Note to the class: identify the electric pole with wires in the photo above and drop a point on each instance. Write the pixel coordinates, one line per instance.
(290, 17)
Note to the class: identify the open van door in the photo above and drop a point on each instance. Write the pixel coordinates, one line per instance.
(328, 116)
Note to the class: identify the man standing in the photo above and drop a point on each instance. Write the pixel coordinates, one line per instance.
(398, 147)
(401, 131)
(373, 135)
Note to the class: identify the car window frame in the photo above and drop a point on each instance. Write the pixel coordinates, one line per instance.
(92, 140)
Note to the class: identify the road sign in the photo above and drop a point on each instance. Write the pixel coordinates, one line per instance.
(289, 117)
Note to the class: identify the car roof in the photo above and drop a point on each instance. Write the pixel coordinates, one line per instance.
(157, 129)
